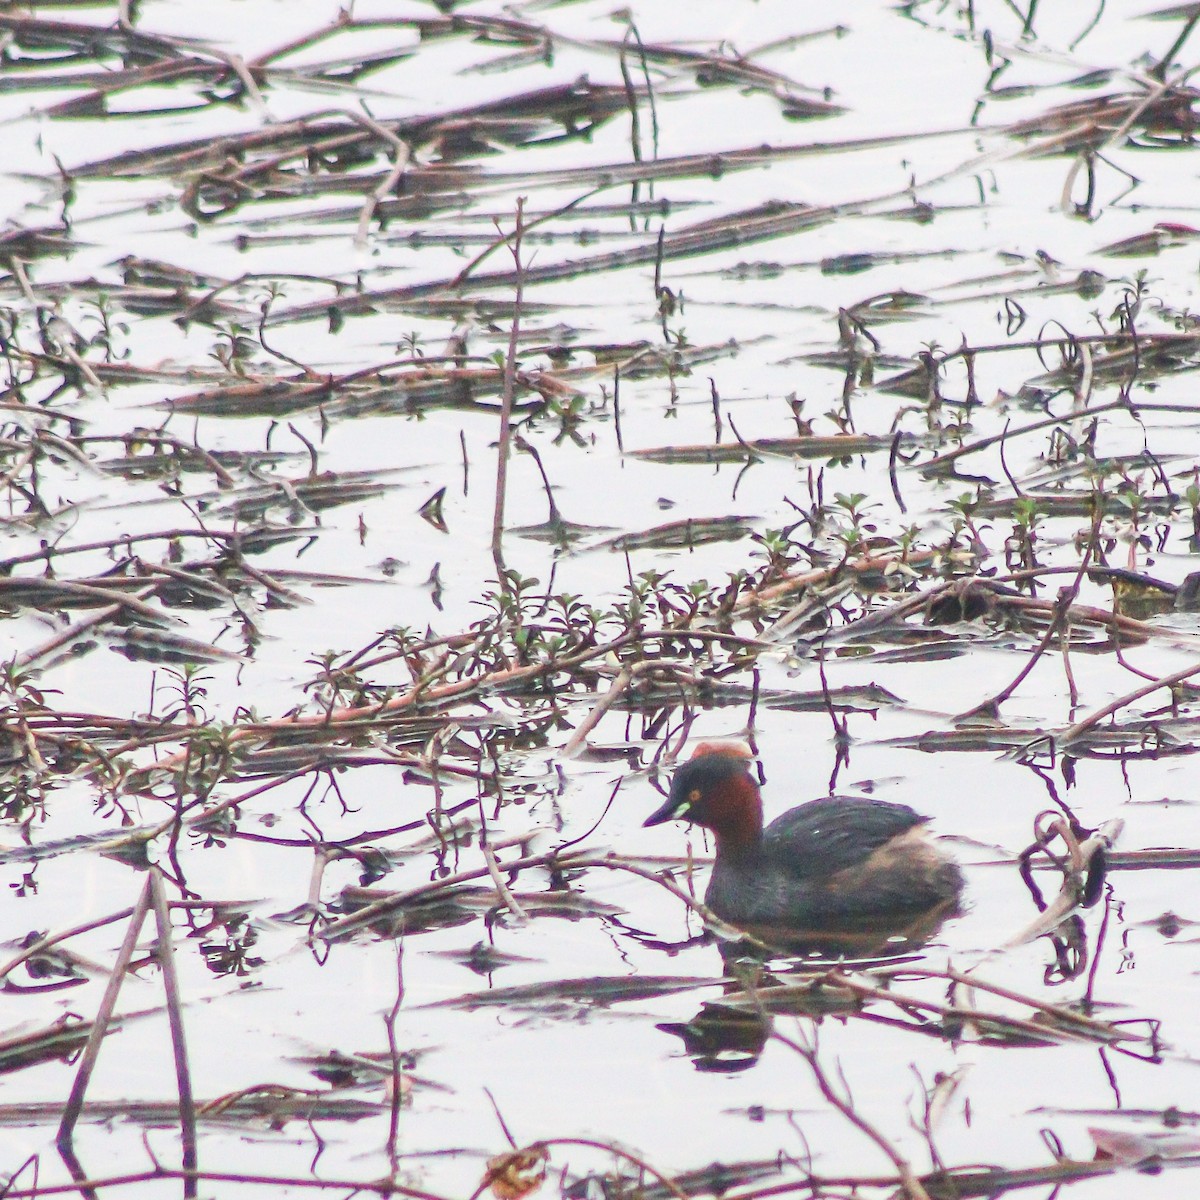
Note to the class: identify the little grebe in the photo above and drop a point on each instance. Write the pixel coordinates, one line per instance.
(828, 863)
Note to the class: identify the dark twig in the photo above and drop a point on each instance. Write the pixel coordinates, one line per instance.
(506, 402)
(100, 1026)
(1077, 730)
(912, 1186)
(183, 1077)
(617, 410)
(1062, 612)
(892, 472)
(397, 1081)
(1159, 70)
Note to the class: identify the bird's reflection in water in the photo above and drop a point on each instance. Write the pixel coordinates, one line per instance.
(799, 978)
(786, 970)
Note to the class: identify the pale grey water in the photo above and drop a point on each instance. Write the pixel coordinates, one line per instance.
(565, 1070)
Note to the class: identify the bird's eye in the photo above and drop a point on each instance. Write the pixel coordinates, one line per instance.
(693, 797)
